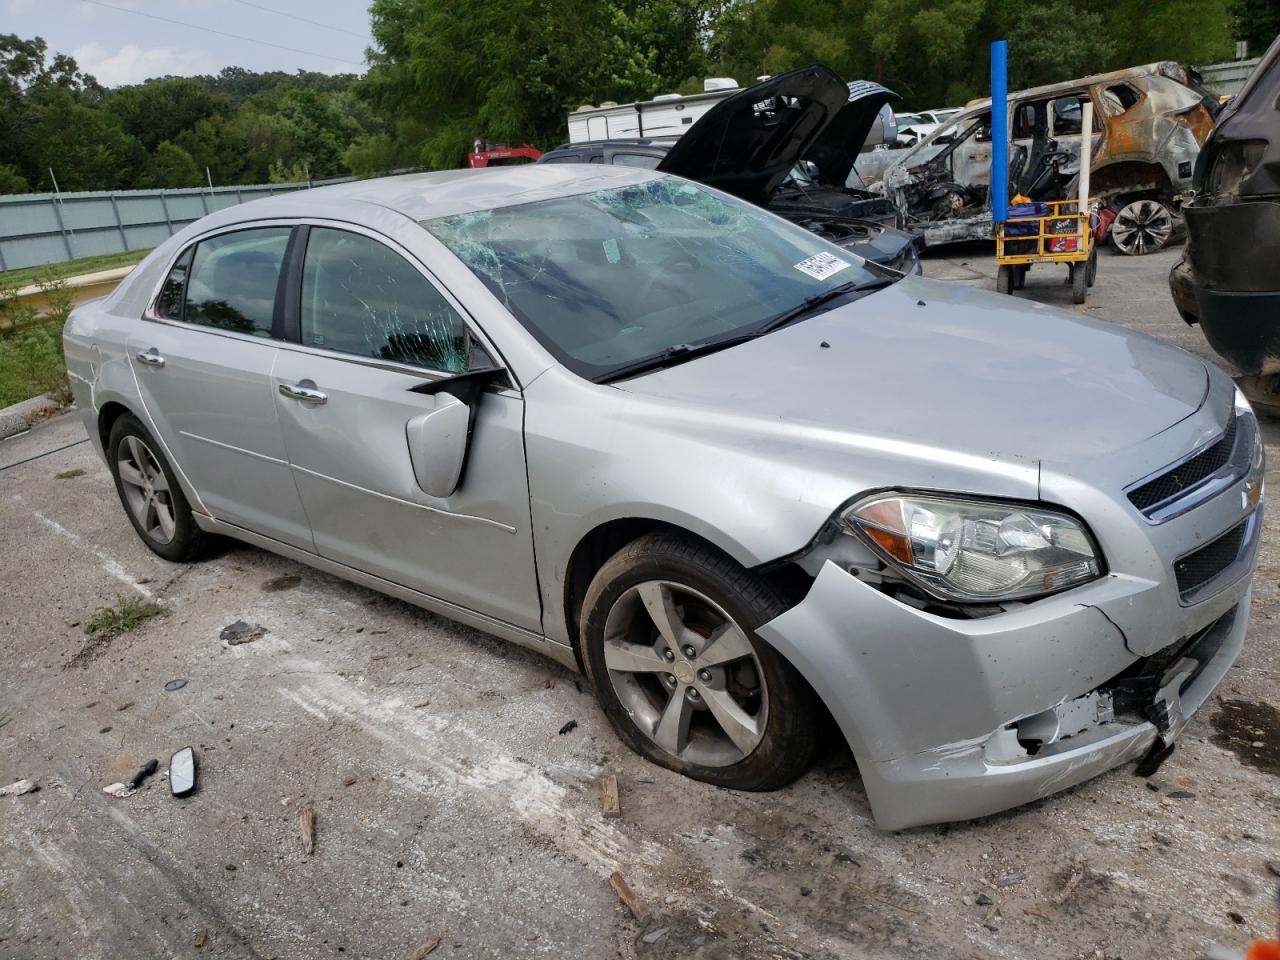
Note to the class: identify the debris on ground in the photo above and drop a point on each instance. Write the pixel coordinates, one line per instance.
(69, 474)
(130, 787)
(124, 706)
(308, 824)
(983, 900)
(349, 782)
(571, 725)
(176, 684)
(1073, 881)
(610, 805)
(1273, 867)
(629, 900)
(19, 788)
(240, 632)
(653, 936)
(182, 772)
(280, 584)
(424, 703)
(551, 683)
(424, 950)
(1012, 878)
(1180, 795)
(201, 937)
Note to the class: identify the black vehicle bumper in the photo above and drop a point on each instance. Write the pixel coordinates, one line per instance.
(1232, 254)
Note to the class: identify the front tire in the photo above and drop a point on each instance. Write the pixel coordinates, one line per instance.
(668, 639)
(150, 494)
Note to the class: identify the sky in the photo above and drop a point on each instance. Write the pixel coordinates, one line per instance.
(123, 41)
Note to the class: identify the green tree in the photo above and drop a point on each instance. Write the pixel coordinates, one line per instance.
(171, 166)
(1258, 22)
(161, 109)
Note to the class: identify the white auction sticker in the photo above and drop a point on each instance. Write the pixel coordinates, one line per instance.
(821, 265)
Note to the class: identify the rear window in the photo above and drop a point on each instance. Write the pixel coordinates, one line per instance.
(233, 280)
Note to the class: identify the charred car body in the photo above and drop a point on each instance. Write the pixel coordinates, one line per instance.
(1149, 123)
(1228, 278)
(751, 145)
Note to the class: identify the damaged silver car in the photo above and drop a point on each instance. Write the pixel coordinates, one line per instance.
(738, 476)
(1148, 125)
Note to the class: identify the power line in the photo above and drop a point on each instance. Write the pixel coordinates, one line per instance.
(294, 16)
(221, 33)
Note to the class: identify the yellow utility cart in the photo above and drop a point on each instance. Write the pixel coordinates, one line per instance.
(1049, 231)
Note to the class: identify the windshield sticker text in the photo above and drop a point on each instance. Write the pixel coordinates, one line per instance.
(821, 265)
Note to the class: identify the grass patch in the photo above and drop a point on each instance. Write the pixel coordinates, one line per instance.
(107, 623)
(69, 474)
(127, 615)
(31, 363)
(72, 268)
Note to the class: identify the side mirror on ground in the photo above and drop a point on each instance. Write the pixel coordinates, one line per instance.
(440, 438)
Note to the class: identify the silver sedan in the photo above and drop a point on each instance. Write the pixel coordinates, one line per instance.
(736, 475)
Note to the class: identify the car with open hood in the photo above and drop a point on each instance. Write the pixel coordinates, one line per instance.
(1228, 280)
(1148, 125)
(787, 144)
(741, 479)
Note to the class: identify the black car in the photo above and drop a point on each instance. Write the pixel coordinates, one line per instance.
(1228, 279)
(787, 144)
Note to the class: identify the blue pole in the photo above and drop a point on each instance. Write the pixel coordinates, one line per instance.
(999, 131)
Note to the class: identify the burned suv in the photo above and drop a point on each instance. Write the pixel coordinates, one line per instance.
(1148, 125)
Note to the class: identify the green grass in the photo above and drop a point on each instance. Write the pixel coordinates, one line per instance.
(31, 363)
(72, 268)
(127, 614)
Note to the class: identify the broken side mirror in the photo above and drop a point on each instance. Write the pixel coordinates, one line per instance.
(440, 438)
(182, 772)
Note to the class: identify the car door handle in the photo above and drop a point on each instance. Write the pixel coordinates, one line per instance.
(296, 391)
(149, 357)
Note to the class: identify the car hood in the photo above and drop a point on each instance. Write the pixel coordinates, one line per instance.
(747, 143)
(948, 368)
(837, 146)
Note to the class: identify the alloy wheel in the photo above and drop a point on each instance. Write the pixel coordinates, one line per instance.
(146, 489)
(1143, 226)
(686, 673)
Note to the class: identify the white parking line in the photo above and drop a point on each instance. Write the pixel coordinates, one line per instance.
(107, 562)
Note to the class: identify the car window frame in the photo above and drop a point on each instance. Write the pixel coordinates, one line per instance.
(292, 308)
(151, 312)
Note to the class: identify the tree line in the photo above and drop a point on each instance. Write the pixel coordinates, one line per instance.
(443, 73)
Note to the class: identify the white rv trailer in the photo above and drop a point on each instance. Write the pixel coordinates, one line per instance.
(668, 115)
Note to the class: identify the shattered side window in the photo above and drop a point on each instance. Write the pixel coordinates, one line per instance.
(607, 278)
(361, 297)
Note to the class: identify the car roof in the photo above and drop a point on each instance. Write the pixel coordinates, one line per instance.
(425, 196)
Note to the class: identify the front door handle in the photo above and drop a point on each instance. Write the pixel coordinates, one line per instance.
(298, 391)
(150, 357)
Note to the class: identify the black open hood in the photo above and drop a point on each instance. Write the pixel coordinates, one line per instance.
(836, 148)
(748, 143)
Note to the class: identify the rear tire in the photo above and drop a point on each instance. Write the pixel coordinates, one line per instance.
(1093, 266)
(149, 492)
(667, 615)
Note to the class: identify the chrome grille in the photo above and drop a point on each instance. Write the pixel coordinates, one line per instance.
(1150, 496)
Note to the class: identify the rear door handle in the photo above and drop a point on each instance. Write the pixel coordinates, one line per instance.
(297, 391)
(150, 357)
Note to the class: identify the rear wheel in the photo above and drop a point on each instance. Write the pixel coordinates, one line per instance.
(668, 634)
(1092, 274)
(149, 491)
(1020, 277)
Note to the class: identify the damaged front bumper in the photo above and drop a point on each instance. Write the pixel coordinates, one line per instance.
(956, 719)
(953, 716)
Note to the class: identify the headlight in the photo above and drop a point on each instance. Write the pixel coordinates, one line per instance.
(975, 551)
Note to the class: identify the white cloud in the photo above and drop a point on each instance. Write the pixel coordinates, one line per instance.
(133, 64)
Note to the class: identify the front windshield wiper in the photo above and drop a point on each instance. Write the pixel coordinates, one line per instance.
(809, 304)
(672, 355)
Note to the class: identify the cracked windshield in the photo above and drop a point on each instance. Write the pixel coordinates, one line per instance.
(607, 279)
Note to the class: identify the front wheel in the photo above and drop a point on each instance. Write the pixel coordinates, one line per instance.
(1079, 282)
(668, 634)
(1143, 226)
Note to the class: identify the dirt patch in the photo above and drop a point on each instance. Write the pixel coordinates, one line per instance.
(1251, 731)
(107, 623)
(279, 584)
